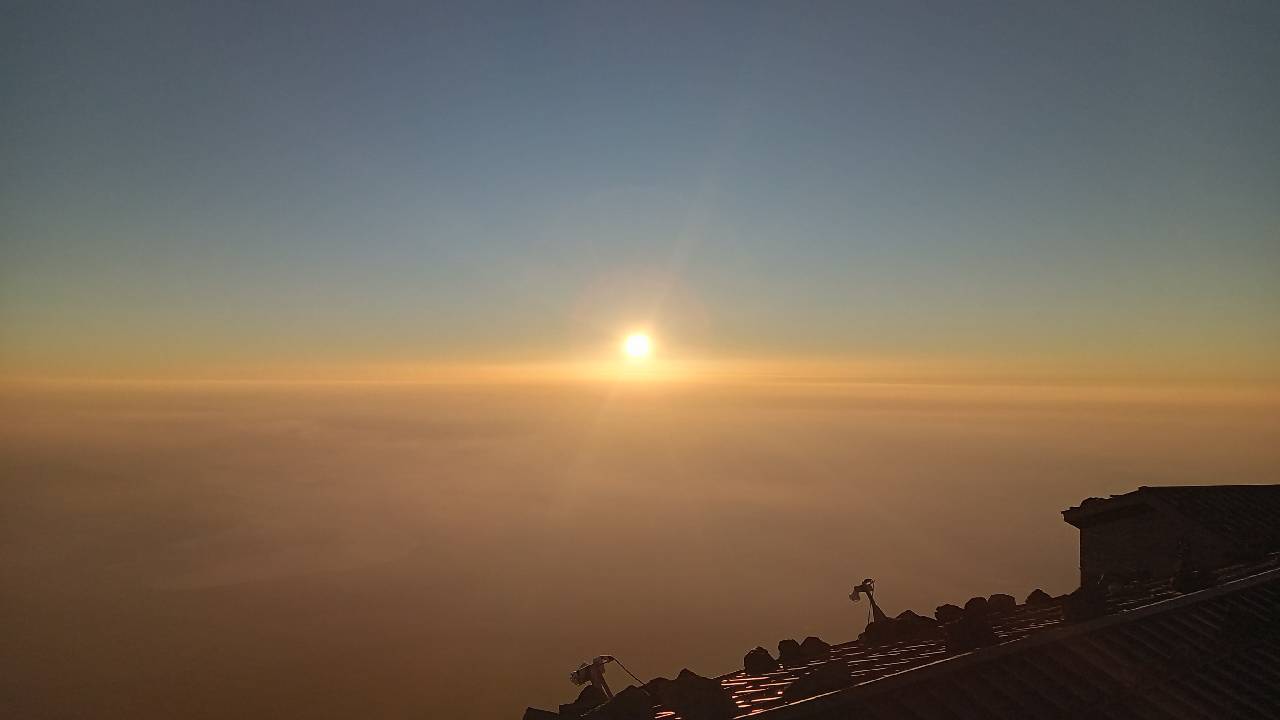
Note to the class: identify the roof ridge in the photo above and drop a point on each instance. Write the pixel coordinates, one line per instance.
(908, 676)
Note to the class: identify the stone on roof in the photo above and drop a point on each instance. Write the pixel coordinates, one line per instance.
(973, 629)
(1039, 597)
(759, 661)
(1001, 604)
(789, 652)
(948, 613)
(590, 697)
(813, 648)
(907, 626)
(632, 703)
(694, 697)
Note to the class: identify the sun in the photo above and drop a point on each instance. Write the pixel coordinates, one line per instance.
(637, 346)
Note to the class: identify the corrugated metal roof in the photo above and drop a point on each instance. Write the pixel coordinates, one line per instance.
(754, 693)
(1159, 654)
(1155, 653)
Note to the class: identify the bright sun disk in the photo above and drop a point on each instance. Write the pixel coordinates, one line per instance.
(637, 345)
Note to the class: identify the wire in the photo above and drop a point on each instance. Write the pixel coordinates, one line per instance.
(624, 669)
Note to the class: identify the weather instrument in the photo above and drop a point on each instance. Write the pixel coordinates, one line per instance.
(868, 588)
(593, 672)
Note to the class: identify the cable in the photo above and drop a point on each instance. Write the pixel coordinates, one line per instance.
(624, 669)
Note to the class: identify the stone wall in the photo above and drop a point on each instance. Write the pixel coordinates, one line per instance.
(1149, 544)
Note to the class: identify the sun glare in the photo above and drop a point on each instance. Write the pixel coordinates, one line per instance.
(637, 346)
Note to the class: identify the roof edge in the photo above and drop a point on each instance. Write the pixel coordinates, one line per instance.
(837, 699)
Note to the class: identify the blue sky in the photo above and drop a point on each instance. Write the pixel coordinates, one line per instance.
(190, 186)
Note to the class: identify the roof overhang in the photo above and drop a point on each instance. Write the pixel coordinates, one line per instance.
(1097, 511)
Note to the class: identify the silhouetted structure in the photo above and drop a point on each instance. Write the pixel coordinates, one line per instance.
(868, 588)
(1153, 531)
(593, 673)
(1190, 630)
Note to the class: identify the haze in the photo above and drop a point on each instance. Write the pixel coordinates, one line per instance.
(410, 551)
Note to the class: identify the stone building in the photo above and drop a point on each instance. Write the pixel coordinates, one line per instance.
(1153, 531)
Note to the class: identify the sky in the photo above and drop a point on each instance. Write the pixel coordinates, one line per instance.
(257, 190)
(311, 398)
